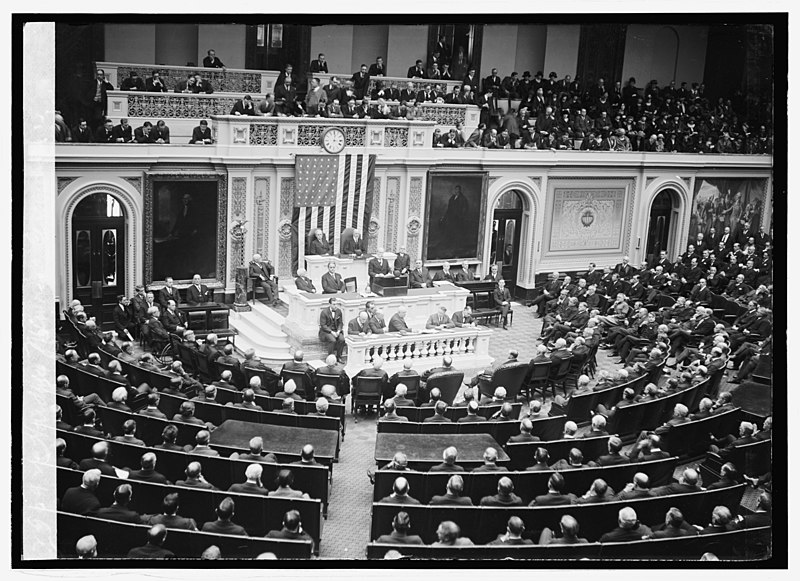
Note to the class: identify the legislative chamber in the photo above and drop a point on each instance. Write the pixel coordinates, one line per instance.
(414, 291)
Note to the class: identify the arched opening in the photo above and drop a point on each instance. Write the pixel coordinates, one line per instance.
(663, 222)
(506, 230)
(99, 245)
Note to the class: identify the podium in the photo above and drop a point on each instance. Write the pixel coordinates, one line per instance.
(391, 286)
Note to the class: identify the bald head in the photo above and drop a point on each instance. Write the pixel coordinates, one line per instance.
(86, 547)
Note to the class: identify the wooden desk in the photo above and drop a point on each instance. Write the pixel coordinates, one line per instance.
(426, 448)
(208, 319)
(279, 439)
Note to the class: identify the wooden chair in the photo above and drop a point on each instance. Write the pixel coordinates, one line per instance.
(536, 379)
(269, 381)
(558, 374)
(448, 383)
(367, 391)
(412, 384)
(305, 388)
(509, 376)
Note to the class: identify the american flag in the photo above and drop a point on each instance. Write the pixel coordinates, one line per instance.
(332, 192)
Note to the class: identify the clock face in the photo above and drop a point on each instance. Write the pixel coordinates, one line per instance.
(333, 140)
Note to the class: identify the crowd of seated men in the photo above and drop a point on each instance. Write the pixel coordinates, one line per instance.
(82, 500)
(551, 113)
(107, 132)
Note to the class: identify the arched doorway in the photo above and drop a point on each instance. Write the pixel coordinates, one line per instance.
(506, 229)
(663, 221)
(99, 245)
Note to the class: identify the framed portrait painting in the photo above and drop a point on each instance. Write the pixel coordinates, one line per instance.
(184, 227)
(454, 215)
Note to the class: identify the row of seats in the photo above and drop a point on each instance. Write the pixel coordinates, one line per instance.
(527, 484)
(257, 514)
(115, 539)
(749, 544)
(483, 524)
(220, 471)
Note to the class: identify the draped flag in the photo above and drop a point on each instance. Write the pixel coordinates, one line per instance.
(332, 192)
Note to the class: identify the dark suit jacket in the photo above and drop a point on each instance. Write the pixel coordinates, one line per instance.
(612, 460)
(164, 296)
(332, 283)
(126, 133)
(199, 135)
(119, 513)
(459, 320)
(418, 279)
(224, 527)
(414, 72)
(194, 296)
(449, 499)
(330, 322)
(149, 551)
(172, 321)
(305, 284)
(174, 521)
(104, 467)
(377, 267)
(551, 499)
(79, 501)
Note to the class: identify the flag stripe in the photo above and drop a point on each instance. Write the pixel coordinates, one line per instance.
(357, 197)
(368, 193)
(345, 192)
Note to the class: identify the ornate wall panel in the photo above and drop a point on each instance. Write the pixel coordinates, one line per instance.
(375, 220)
(285, 228)
(172, 106)
(261, 134)
(395, 137)
(414, 222)
(392, 213)
(261, 216)
(238, 198)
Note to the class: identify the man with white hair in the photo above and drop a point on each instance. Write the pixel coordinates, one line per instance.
(253, 483)
(725, 445)
(289, 391)
(570, 429)
(490, 462)
(82, 499)
(359, 326)
(354, 246)
(598, 427)
(400, 398)
(321, 407)
(628, 528)
(378, 266)
(86, 547)
(262, 272)
(303, 283)
(498, 397)
(397, 323)
(449, 457)
(256, 453)
(331, 370)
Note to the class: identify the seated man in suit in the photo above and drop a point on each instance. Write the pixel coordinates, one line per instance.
(463, 318)
(202, 134)
(419, 276)
(401, 524)
(262, 271)
(169, 517)
(304, 283)
(355, 245)
(168, 293)
(439, 320)
(391, 412)
(174, 321)
(360, 325)
(330, 328)
(298, 365)
(319, 245)
(332, 281)
(445, 274)
(378, 267)
(400, 399)
(402, 263)
(398, 321)
(453, 496)
(82, 499)
(505, 495)
(197, 293)
(472, 414)
(331, 367)
(465, 274)
(400, 493)
(438, 417)
(502, 300)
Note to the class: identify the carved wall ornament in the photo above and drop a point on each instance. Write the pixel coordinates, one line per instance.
(414, 225)
(285, 230)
